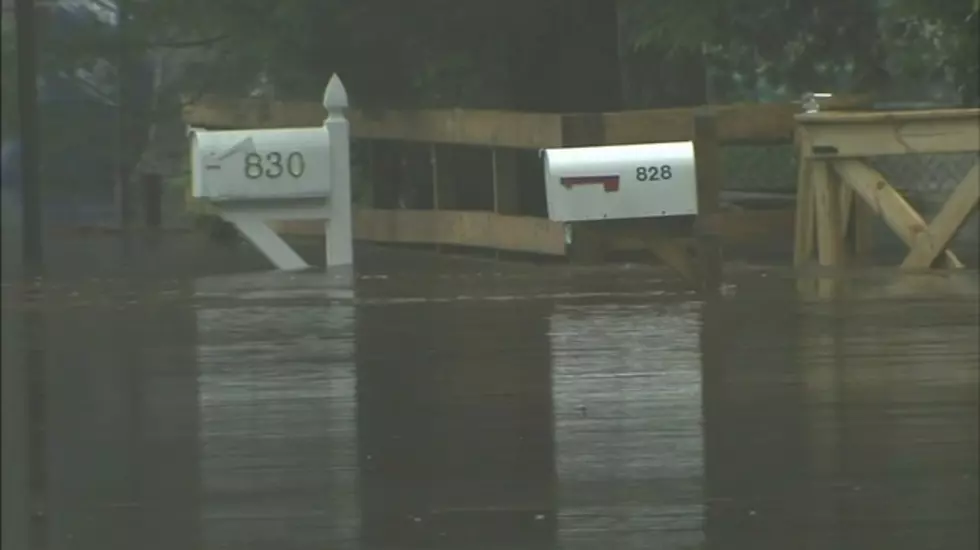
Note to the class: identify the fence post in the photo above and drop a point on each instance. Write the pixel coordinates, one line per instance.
(32, 228)
(707, 162)
(339, 225)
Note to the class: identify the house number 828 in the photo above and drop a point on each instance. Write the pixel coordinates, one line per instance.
(654, 173)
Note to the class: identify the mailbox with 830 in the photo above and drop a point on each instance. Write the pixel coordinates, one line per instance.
(261, 164)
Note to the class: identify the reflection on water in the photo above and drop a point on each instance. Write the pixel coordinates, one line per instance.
(467, 404)
(627, 389)
(103, 419)
(278, 444)
(455, 425)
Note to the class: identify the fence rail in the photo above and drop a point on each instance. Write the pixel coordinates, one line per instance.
(738, 123)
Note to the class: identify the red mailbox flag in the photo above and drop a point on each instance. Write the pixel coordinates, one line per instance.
(609, 183)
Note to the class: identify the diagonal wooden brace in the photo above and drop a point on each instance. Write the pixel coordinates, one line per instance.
(885, 201)
(957, 209)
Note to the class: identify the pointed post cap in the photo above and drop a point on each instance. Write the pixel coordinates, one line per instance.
(335, 96)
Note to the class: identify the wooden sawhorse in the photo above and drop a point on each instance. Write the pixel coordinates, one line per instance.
(833, 171)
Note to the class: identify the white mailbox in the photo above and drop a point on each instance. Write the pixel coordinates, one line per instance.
(621, 181)
(252, 177)
(287, 164)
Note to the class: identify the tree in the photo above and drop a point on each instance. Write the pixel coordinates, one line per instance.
(803, 45)
(532, 54)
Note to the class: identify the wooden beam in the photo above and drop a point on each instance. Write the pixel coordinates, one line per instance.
(848, 135)
(743, 122)
(650, 126)
(887, 117)
(532, 234)
(961, 203)
(583, 130)
(455, 126)
(846, 196)
(462, 127)
(459, 228)
(709, 263)
(826, 195)
(749, 122)
(856, 225)
(885, 201)
(805, 225)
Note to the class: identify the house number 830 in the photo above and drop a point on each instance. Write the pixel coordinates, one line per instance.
(274, 165)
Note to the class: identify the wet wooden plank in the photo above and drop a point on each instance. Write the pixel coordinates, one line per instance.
(461, 228)
(826, 190)
(531, 234)
(749, 122)
(896, 133)
(453, 126)
(497, 128)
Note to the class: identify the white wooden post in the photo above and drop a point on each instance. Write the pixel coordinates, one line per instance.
(339, 223)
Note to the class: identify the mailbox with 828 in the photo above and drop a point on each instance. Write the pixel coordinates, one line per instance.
(621, 182)
(241, 165)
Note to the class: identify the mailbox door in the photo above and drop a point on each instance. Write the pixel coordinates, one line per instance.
(621, 182)
(289, 163)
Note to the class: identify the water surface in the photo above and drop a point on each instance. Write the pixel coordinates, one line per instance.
(193, 402)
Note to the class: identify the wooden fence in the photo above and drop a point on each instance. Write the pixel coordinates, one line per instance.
(472, 178)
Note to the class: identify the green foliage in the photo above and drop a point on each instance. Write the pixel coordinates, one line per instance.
(458, 52)
(808, 44)
(937, 41)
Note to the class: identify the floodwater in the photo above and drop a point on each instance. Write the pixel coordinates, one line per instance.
(469, 404)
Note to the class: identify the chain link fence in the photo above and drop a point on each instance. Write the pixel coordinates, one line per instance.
(760, 168)
(928, 177)
(773, 168)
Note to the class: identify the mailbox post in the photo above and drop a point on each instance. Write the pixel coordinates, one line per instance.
(252, 177)
(340, 249)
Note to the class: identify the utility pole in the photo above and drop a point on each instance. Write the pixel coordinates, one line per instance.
(32, 251)
(30, 136)
(124, 114)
